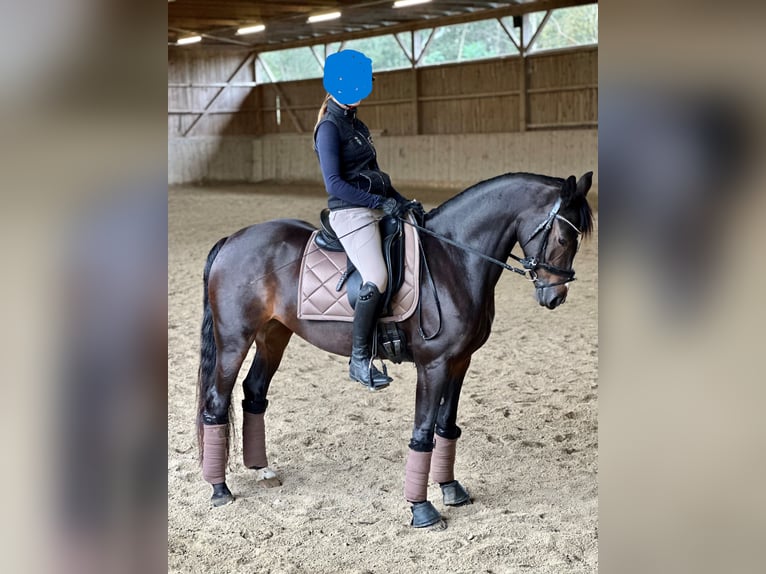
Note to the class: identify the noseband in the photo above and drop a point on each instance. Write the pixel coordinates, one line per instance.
(532, 263)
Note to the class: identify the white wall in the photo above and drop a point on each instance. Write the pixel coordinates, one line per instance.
(200, 159)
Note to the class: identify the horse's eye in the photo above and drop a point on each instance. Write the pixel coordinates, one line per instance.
(562, 241)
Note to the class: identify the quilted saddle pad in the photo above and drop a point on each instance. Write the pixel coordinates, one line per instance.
(321, 270)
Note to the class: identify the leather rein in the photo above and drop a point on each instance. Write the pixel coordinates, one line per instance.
(530, 264)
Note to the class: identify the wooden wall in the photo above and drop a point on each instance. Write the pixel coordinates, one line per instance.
(236, 111)
(559, 91)
(452, 161)
(562, 88)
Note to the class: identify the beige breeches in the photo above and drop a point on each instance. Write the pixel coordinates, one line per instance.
(357, 229)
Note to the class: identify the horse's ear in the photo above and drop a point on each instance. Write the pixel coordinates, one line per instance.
(569, 188)
(584, 184)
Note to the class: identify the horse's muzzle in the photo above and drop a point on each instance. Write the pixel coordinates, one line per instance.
(552, 297)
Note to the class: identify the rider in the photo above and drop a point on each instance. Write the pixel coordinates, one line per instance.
(359, 196)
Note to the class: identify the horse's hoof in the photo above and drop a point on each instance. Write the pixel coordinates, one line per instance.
(454, 494)
(221, 495)
(267, 478)
(425, 514)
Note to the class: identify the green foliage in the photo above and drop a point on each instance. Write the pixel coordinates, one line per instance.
(384, 51)
(333, 47)
(471, 41)
(566, 27)
(292, 64)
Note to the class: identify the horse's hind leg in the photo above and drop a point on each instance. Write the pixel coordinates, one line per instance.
(215, 413)
(270, 341)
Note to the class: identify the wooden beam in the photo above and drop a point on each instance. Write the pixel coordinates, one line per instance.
(397, 101)
(282, 98)
(212, 37)
(365, 104)
(388, 103)
(213, 84)
(532, 41)
(424, 47)
(406, 54)
(522, 79)
(477, 96)
(317, 58)
(415, 79)
(258, 103)
(218, 93)
(557, 89)
(508, 33)
(416, 99)
(213, 112)
(563, 126)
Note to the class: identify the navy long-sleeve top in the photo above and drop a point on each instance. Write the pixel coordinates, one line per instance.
(345, 149)
(328, 147)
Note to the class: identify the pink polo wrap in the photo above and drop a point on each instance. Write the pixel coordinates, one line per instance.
(443, 460)
(215, 452)
(254, 441)
(416, 476)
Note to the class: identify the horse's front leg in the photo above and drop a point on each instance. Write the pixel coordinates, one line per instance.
(446, 434)
(433, 380)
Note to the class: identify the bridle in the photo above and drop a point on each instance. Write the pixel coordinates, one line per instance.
(531, 264)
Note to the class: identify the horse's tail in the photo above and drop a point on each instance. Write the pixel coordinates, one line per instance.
(207, 352)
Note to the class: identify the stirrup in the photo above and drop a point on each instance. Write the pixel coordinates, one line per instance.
(371, 375)
(373, 386)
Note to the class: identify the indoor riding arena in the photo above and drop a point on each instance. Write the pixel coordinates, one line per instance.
(463, 92)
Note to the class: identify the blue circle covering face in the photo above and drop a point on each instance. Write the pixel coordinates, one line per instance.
(348, 76)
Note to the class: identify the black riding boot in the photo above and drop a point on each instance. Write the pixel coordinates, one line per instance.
(365, 318)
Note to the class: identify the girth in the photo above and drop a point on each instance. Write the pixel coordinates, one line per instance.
(392, 240)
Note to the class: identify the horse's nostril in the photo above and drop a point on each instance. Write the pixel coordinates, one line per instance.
(555, 302)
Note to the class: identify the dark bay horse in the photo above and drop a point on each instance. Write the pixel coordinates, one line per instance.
(250, 296)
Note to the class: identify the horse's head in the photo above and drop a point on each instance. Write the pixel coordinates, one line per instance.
(550, 237)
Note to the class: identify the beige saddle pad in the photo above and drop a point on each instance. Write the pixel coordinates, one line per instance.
(321, 270)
